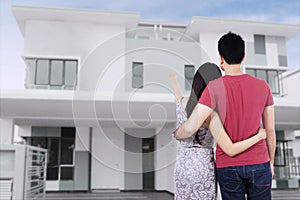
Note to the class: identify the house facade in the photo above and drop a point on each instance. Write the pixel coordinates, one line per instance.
(98, 97)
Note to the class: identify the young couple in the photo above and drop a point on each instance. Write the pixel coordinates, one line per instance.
(245, 152)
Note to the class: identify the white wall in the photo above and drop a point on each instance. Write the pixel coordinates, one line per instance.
(82, 140)
(296, 144)
(104, 67)
(295, 147)
(158, 57)
(6, 131)
(107, 158)
(209, 42)
(291, 86)
(24, 131)
(94, 45)
(165, 158)
(272, 51)
(61, 38)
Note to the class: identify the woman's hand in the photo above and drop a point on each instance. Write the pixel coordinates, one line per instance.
(262, 133)
(172, 74)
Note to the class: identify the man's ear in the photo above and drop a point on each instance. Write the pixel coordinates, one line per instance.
(221, 60)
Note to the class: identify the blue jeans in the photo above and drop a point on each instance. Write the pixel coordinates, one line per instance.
(253, 180)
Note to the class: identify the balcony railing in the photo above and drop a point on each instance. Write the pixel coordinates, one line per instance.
(291, 170)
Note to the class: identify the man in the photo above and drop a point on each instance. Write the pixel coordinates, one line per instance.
(241, 101)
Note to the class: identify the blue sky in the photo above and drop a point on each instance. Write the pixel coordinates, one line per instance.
(12, 68)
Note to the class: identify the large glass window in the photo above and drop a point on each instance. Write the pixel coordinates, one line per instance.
(281, 161)
(259, 44)
(262, 74)
(282, 60)
(273, 80)
(42, 72)
(189, 71)
(56, 71)
(52, 73)
(67, 145)
(137, 75)
(271, 76)
(53, 158)
(70, 73)
(60, 156)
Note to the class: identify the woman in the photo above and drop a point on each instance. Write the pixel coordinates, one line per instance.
(195, 167)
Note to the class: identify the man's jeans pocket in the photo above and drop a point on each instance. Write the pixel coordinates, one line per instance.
(230, 180)
(261, 179)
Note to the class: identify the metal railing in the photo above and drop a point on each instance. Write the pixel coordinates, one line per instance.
(35, 173)
(294, 167)
(5, 189)
(290, 170)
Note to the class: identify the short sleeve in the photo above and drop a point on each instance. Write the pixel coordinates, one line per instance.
(269, 100)
(208, 97)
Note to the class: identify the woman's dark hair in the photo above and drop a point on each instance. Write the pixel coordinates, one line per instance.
(205, 73)
(232, 48)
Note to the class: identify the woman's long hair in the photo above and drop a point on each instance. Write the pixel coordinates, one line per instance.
(205, 73)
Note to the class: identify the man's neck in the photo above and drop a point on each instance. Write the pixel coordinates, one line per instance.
(233, 70)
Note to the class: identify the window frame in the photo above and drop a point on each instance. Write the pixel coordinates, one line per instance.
(133, 75)
(284, 153)
(63, 72)
(36, 70)
(59, 165)
(49, 84)
(188, 81)
(257, 39)
(267, 78)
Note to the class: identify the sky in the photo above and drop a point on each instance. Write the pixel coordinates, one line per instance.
(12, 67)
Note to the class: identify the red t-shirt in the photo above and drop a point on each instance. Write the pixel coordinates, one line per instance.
(240, 102)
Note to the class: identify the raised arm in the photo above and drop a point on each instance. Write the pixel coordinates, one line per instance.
(268, 122)
(217, 130)
(175, 85)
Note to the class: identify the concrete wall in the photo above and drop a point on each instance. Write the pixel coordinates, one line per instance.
(296, 144)
(133, 168)
(63, 39)
(208, 41)
(6, 131)
(165, 158)
(107, 158)
(24, 131)
(82, 159)
(158, 57)
(103, 68)
(105, 54)
(290, 83)
(94, 45)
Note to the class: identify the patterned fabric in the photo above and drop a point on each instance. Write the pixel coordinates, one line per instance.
(194, 173)
(204, 136)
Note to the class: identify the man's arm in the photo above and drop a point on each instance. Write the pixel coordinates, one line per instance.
(194, 122)
(268, 122)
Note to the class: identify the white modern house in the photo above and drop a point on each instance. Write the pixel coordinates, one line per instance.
(97, 93)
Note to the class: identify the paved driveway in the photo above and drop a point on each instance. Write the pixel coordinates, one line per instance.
(276, 195)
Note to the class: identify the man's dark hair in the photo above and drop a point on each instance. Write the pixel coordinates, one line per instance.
(232, 48)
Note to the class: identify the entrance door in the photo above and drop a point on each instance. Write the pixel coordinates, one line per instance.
(133, 163)
(148, 163)
(139, 159)
(60, 143)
